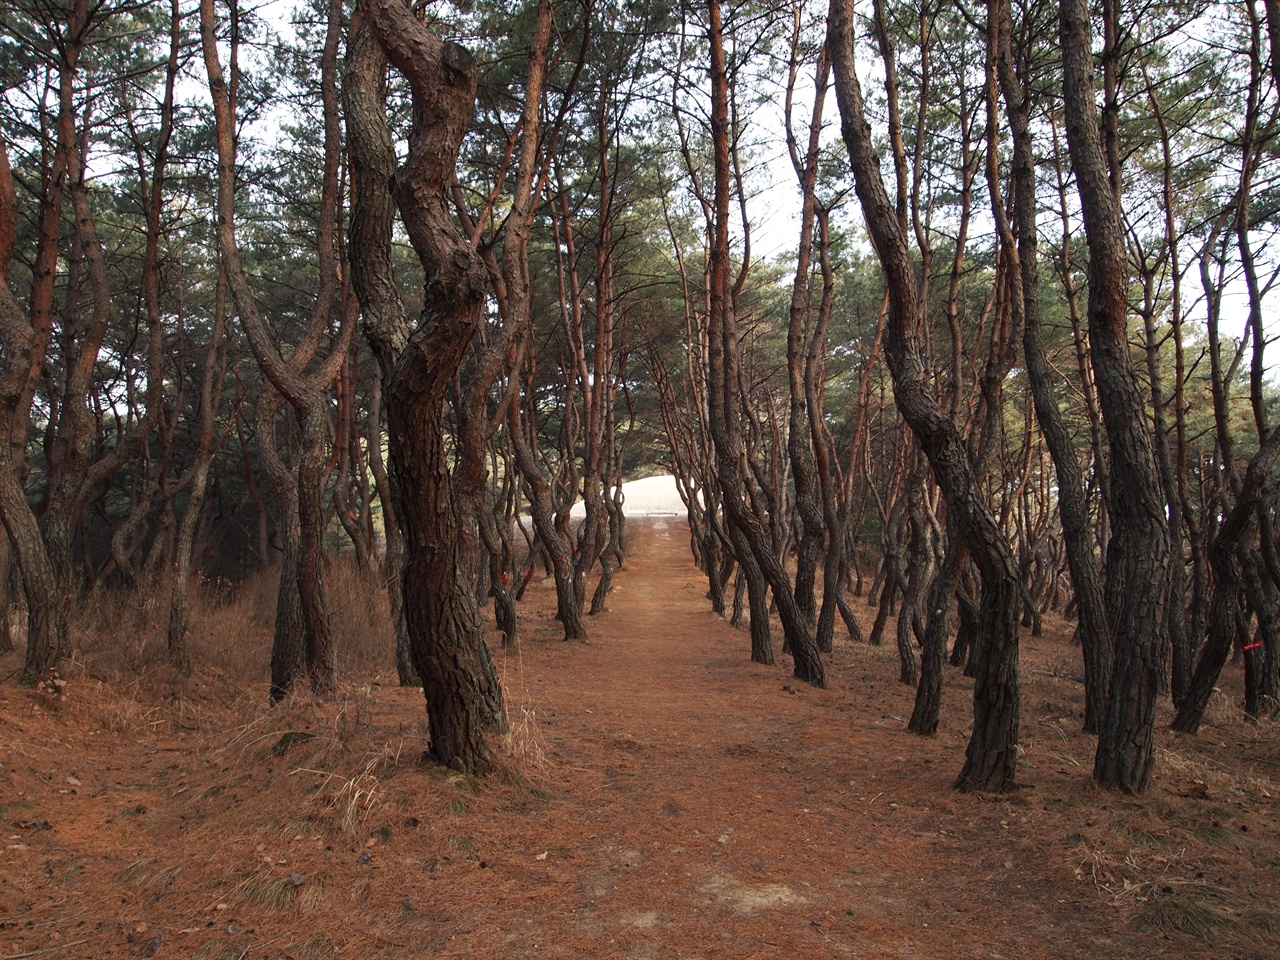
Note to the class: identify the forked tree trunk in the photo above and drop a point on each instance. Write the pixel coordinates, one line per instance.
(724, 386)
(991, 760)
(464, 698)
(304, 391)
(1139, 553)
(615, 548)
(1092, 630)
(554, 542)
(21, 346)
(803, 434)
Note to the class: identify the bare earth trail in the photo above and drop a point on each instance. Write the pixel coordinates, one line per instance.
(662, 797)
(736, 812)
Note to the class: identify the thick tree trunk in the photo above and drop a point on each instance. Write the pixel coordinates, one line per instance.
(288, 644)
(21, 347)
(1228, 585)
(1092, 629)
(464, 698)
(312, 469)
(992, 754)
(46, 631)
(1139, 553)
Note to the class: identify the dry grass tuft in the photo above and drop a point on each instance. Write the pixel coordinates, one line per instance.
(148, 872)
(522, 741)
(267, 889)
(1131, 874)
(312, 897)
(121, 634)
(314, 947)
(354, 715)
(233, 634)
(218, 950)
(360, 615)
(1266, 922)
(1219, 774)
(1216, 835)
(1173, 912)
(1223, 710)
(356, 797)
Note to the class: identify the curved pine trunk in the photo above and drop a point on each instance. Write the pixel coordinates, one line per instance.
(990, 762)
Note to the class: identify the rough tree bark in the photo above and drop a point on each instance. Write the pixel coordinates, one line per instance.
(21, 343)
(464, 698)
(803, 435)
(991, 760)
(724, 382)
(1092, 630)
(306, 393)
(1138, 555)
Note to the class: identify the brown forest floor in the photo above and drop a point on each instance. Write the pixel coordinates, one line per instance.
(662, 797)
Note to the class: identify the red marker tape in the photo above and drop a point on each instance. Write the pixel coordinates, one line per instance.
(504, 578)
(1252, 646)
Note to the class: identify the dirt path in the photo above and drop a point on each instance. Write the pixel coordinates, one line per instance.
(730, 811)
(673, 800)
